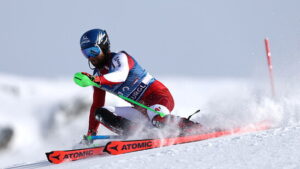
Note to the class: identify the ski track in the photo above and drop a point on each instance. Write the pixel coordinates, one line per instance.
(274, 148)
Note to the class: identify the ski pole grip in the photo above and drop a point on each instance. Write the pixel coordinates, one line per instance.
(83, 80)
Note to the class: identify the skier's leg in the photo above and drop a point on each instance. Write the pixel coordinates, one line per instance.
(159, 98)
(171, 121)
(181, 123)
(121, 120)
(130, 113)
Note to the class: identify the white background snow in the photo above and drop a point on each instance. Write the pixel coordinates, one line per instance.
(41, 111)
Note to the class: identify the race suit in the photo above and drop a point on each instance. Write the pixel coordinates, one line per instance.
(122, 75)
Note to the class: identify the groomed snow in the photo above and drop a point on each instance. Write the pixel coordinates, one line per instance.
(41, 112)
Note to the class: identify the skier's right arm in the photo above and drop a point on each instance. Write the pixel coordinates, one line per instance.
(98, 102)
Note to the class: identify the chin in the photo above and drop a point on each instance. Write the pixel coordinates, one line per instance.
(99, 65)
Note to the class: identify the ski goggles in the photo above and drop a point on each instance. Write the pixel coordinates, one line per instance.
(91, 52)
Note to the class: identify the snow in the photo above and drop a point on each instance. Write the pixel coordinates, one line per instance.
(52, 114)
(267, 149)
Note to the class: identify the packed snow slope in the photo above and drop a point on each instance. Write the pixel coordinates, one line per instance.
(52, 114)
(276, 149)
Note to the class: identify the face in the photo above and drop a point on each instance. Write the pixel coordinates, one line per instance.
(98, 61)
(95, 55)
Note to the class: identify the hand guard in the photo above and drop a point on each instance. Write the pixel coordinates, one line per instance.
(95, 79)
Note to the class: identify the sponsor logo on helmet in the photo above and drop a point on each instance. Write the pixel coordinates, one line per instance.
(100, 38)
(84, 40)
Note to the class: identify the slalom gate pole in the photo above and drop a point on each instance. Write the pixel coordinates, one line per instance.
(270, 66)
(84, 81)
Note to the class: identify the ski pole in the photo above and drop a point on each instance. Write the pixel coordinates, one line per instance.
(99, 137)
(84, 81)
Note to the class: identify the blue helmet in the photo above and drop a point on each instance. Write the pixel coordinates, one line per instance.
(95, 37)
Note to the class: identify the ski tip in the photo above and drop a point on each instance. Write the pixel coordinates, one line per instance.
(54, 157)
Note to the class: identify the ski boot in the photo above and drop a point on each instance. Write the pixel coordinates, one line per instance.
(185, 126)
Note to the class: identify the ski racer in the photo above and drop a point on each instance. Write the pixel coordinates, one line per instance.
(119, 73)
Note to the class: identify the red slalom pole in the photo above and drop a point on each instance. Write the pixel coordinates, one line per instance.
(270, 66)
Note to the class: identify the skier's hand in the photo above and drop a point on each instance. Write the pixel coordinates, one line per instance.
(85, 141)
(95, 79)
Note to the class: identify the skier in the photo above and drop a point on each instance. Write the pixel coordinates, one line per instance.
(120, 73)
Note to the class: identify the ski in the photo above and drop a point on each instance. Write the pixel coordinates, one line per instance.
(127, 146)
(58, 157)
(122, 147)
